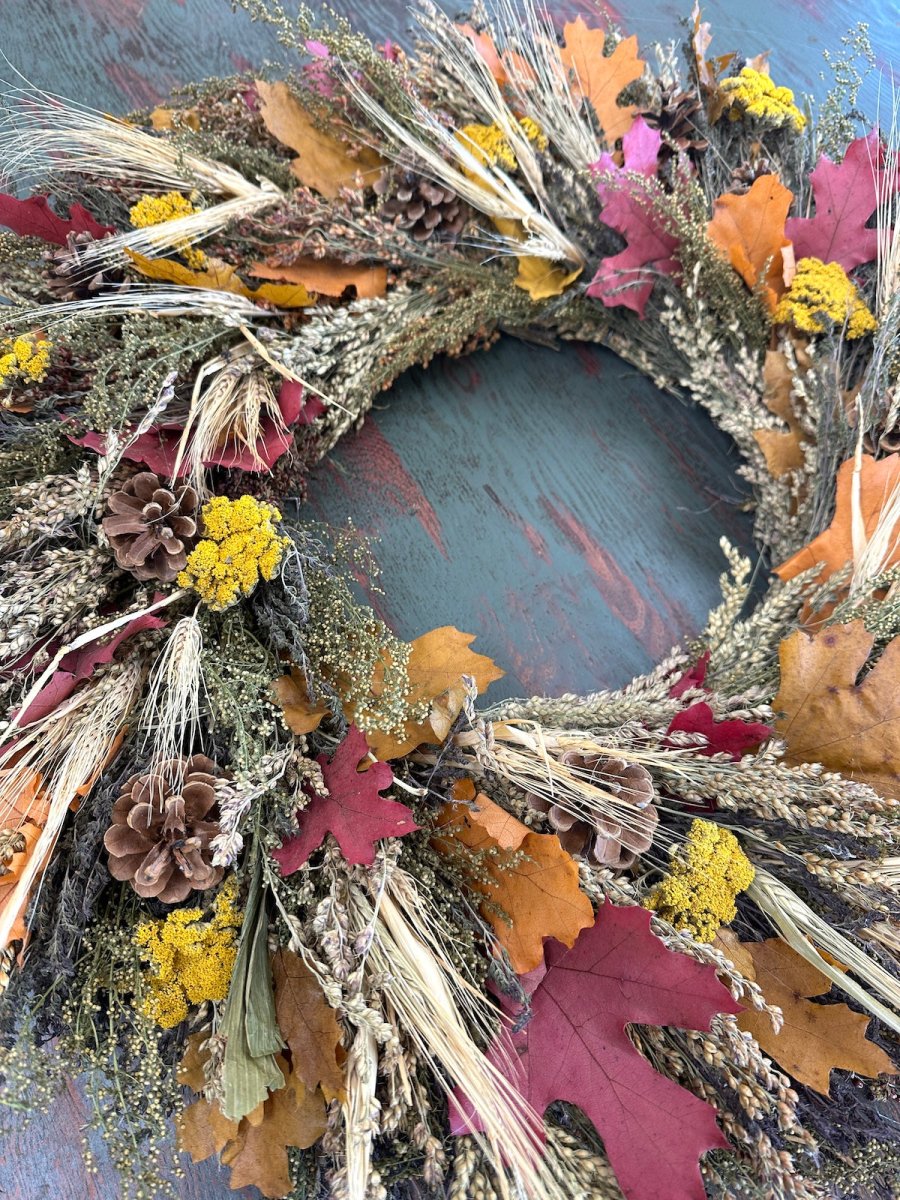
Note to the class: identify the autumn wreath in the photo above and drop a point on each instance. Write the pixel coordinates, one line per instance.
(267, 873)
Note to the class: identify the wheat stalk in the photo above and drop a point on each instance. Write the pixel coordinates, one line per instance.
(171, 715)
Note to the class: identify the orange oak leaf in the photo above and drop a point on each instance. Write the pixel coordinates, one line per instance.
(256, 1147)
(221, 277)
(325, 277)
(834, 548)
(535, 883)
(308, 1025)
(325, 163)
(498, 64)
(749, 230)
(175, 118)
(21, 824)
(830, 718)
(601, 78)
(437, 662)
(301, 714)
(815, 1039)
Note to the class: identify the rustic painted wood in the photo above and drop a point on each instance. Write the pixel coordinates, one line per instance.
(553, 503)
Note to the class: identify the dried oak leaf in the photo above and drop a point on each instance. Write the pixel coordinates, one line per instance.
(539, 277)
(325, 163)
(308, 1025)
(352, 811)
(783, 448)
(601, 78)
(220, 277)
(256, 1147)
(437, 662)
(815, 1039)
(575, 1048)
(499, 65)
(35, 218)
(749, 230)
(830, 718)
(301, 714)
(535, 883)
(165, 119)
(23, 821)
(325, 277)
(834, 548)
(846, 195)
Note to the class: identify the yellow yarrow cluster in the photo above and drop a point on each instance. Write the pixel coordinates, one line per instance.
(155, 210)
(489, 145)
(707, 875)
(26, 357)
(190, 960)
(240, 546)
(754, 94)
(824, 290)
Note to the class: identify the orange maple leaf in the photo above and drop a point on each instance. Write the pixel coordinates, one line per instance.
(749, 230)
(815, 1039)
(534, 883)
(601, 78)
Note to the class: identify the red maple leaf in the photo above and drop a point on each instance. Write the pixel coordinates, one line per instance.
(846, 195)
(627, 278)
(352, 811)
(694, 677)
(575, 1048)
(732, 737)
(35, 218)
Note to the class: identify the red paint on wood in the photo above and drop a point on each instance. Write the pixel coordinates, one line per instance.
(135, 87)
(374, 462)
(532, 536)
(623, 598)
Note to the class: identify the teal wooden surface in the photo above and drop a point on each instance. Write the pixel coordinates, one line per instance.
(553, 503)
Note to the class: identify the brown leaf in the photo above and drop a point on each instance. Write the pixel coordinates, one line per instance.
(539, 277)
(325, 163)
(815, 1039)
(783, 448)
(301, 714)
(749, 230)
(834, 547)
(499, 65)
(601, 78)
(26, 816)
(221, 277)
(850, 727)
(308, 1024)
(175, 118)
(326, 277)
(256, 1147)
(437, 662)
(540, 893)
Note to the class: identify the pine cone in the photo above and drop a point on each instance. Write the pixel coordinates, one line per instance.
(424, 208)
(744, 176)
(151, 528)
(162, 825)
(615, 840)
(74, 272)
(678, 120)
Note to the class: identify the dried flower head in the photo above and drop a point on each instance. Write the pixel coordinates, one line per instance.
(753, 94)
(707, 875)
(190, 960)
(156, 210)
(26, 357)
(821, 292)
(240, 547)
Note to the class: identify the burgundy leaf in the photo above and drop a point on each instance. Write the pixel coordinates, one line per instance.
(723, 737)
(35, 218)
(352, 811)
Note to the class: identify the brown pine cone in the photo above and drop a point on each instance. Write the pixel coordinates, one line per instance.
(75, 273)
(614, 840)
(678, 121)
(162, 825)
(151, 527)
(424, 208)
(744, 176)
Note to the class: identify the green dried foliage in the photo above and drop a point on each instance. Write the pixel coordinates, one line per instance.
(839, 117)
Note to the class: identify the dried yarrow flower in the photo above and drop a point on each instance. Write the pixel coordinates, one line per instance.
(707, 875)
(190, 960)
(821, 292)
(240, 547)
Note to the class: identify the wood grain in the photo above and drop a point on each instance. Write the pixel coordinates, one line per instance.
(553, 503)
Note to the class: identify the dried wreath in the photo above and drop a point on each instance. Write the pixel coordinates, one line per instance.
(255, 846)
